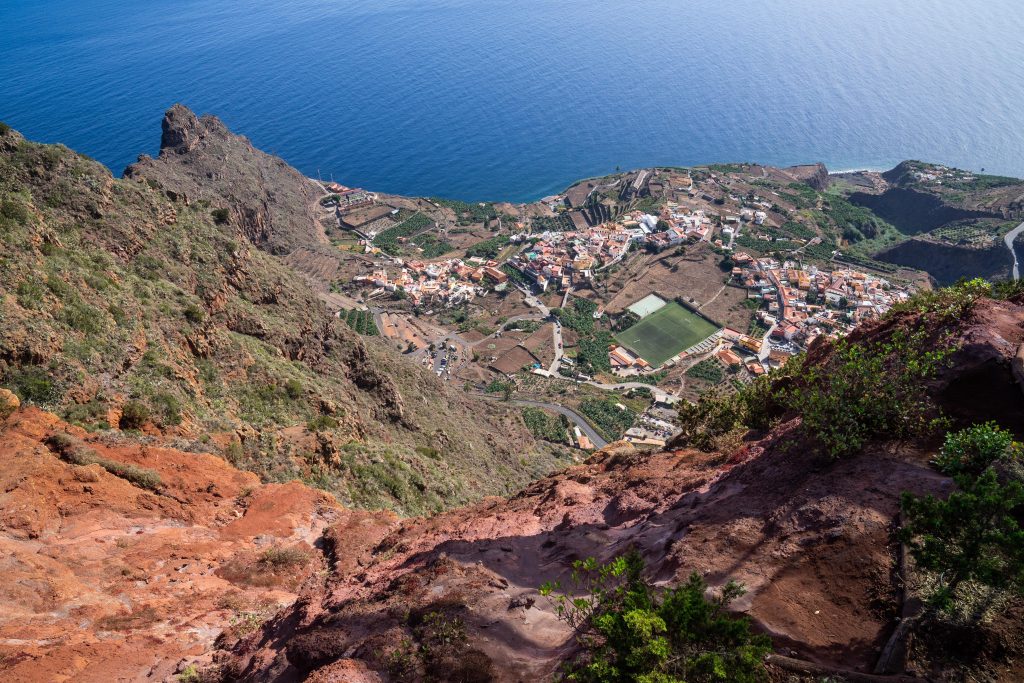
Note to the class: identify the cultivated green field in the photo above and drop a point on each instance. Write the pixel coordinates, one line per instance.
(665, 333)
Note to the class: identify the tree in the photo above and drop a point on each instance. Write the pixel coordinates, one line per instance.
(630, 631)
(974, 535)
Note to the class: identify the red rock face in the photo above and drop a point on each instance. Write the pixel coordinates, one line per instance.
(104, 580)
(810, 539)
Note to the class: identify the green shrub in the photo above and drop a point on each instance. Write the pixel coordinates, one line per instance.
(592, 352)
(438, 651)
(283, 557)
(194, 314)
(321, 422)
(141, 477)
(82, 317)
(234, 452)
(30, 293)
(134, 415)
(972, 451)
(705, 423)
(56, 285)
(578, 317)
(488, 248)
(863, 391)
(221, 216)
(708, 370)
(13, 214)
(428, 452)
(4, 129)
(71, 449)
(33, 384)
(867, 390)
(119, 315)
(293, 389)
(498, 386)
(147, 267)
(651, 378)
(630, 631)
(190, 674)
(544, 426)
(608, 417)
(91, 414)
(950, 304)
(168, 407)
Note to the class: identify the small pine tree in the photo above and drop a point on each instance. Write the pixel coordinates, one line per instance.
(630, 631)
(974, 535)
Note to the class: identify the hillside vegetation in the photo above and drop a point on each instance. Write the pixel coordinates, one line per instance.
(129, 305)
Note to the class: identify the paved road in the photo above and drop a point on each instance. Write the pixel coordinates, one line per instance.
(573, 416)
(533, 302)
(557, 363)
(659, 394)
(765, 345)
(1010, 237)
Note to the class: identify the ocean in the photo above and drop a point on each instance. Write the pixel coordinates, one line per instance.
(516, 99)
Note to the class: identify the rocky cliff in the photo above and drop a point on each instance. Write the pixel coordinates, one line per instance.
(273, 205)
(126, 304)
(130, 560)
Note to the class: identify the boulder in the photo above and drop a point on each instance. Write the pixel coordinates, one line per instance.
(8, 403)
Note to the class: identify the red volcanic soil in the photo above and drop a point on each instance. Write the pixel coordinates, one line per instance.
(106, 581)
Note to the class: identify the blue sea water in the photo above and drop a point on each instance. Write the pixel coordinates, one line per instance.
(514, 99)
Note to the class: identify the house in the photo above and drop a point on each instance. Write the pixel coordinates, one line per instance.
(729, 358)
(495, 275)
(622, 357)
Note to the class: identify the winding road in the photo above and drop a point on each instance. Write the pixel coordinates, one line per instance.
(659, 394)
(573, 416)
(1010, 237)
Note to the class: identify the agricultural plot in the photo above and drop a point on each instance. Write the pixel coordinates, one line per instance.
(360, 321)
(664, 333)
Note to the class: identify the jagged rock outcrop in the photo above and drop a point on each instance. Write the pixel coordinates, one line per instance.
(273, 205)
(815, 175)
(181, 130)
(8, 404)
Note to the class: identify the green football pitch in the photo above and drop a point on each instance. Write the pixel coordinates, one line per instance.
(664, 333)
